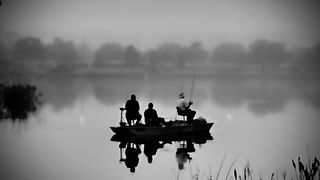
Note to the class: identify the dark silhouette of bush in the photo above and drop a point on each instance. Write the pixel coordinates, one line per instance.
(17, 101)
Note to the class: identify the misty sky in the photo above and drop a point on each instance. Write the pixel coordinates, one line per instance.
(146, 23)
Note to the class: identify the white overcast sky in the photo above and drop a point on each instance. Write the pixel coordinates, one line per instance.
(147, 23)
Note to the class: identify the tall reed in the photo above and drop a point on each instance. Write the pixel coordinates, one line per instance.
(303, 171)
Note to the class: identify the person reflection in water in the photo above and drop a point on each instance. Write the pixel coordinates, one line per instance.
(183, 155)
(183, 108)
(151, 117)
(132, 156)
(132, 107)
(150, 149)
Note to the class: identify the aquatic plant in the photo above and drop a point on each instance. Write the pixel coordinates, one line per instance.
(303, 171)
(247, 173)
(307, 171)
(17, 101)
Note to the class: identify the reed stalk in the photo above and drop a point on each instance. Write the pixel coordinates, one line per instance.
(224, 157)
(234, 161)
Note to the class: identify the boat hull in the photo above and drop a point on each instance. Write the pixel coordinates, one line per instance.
(174, 129)
(196, 137)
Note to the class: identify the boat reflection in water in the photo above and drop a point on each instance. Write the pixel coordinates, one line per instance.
(130, 146)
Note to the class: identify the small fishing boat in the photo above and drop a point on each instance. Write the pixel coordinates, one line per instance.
(196, 137)
(174, 127)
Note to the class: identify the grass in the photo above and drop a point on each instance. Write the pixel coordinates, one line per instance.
(307, 171)
(303, 171)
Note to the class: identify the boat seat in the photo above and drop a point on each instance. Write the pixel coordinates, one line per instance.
(181, 113)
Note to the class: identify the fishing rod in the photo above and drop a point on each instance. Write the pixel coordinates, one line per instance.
(192, 82)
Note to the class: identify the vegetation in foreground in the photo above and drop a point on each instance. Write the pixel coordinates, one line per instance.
(303, 171)
(17, 101)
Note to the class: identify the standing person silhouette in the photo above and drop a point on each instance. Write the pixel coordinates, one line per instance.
(132, 107)
(183, 108)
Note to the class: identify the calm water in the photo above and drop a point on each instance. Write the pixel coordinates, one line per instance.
(266, 122)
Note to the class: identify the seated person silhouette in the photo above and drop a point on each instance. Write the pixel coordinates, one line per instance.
(132, 113)
(150, 149)
(132, 157)
(151, 117)
(183, 108)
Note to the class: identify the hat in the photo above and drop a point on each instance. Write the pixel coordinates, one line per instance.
(181, 95)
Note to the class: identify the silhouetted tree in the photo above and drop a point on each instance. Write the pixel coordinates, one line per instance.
(306, 60)
(131, 55)
(229, 55)
(4, 63)
(267, 54)
(152, 57)
(312, 59)
(62, 51)
(28, 55)
(168, 53)
(194, 53)
(85, 52)
(3, 50)
(30, 48)
(172, 54)
(198, 52)
(109, 53)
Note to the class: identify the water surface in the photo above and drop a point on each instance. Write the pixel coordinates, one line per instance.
(263, 121)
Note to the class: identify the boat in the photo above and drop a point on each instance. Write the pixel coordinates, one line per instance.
(195, 137)
(173, 127)
(184, 142)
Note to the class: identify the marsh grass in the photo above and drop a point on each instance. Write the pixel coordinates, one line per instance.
(303, 171)
(307, 171)
(17, 101)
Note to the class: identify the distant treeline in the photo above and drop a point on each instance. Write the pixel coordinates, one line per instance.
(30, 54)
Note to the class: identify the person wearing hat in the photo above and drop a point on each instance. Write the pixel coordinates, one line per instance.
(183, 108)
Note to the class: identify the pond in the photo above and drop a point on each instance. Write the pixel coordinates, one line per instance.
(265, 122)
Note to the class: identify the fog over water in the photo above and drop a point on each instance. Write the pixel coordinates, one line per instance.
(267, 122)
(251, 67)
